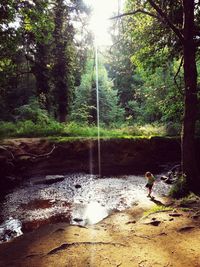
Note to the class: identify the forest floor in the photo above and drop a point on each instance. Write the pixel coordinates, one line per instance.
(166, 238)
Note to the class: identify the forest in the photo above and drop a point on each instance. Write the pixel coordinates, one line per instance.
(100, 133)
(148, 78)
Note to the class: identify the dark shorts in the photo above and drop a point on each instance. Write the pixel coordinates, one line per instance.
(149, 186)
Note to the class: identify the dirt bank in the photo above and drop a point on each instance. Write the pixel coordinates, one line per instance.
(169, 238)
(118, 156)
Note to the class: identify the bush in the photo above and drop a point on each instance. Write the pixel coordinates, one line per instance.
(32, 112)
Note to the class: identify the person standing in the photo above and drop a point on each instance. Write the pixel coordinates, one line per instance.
(150, 182)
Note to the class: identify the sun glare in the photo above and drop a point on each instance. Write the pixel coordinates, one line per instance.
(100, 24)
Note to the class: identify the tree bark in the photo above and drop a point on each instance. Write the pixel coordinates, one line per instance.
(189, 164)
(60, 71)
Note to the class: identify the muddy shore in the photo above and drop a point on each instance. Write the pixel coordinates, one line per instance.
(130, 238)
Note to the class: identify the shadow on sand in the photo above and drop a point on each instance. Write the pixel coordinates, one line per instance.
(156, 201)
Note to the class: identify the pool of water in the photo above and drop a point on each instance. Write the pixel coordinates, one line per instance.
(76, 199)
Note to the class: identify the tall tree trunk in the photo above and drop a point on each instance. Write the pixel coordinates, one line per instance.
(60, 79)
(189, 164)
(41, 73)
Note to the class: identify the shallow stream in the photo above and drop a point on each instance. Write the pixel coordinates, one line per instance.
(76, 199)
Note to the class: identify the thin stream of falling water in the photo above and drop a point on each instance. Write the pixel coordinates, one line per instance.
(91, 158)
(97, 98)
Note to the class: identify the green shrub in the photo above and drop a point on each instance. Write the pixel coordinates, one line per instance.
(30, 129)
(7, 129)
(180, 188)
(32, 112)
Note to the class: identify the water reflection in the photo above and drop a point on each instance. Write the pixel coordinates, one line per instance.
(94, 212)
(9, 229)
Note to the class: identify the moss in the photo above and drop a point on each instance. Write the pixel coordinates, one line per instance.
(157, 209)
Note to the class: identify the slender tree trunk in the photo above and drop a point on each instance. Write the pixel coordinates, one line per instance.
(42, 75)
(60, 79)
(189, 164)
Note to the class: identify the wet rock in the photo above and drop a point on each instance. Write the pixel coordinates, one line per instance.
(164, 178)
(35, 224)
(154, 223)
(175, 214)
(130, 222)
(38, 204)
(77, 220)
(196, 215)
(78, 186)
(50, 179)
(186, 228)
(9, 229)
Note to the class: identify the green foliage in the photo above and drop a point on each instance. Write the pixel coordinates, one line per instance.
(30, 129)
(180, 188)
(154, 94)
(44, 126)
(38, 54)
(84, 106)
(32, 112)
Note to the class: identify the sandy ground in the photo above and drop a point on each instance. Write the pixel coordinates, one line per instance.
(168, 238)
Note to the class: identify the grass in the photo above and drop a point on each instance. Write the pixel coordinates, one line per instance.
(73, 130)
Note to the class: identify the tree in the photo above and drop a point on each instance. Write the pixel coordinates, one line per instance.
(121, 69)
(38, 54)
(187, 39)
(15, 82)
(64, 69)
(84, 107)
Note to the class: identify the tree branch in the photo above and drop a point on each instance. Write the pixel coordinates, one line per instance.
(167, 20)
(177, 73)
(34, 156)
(135, 12)
(161, 16)
(5, 149)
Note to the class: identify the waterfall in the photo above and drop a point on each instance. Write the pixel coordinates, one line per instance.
(97, 99)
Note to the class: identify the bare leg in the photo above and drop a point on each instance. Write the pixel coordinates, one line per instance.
(150, 189)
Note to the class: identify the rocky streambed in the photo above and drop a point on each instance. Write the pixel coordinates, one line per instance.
(78, 199)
